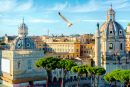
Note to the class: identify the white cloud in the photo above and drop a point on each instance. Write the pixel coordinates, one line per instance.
(105, 20)
(45, 21)
(94, 20)
(11, 21)
(15, 5)
(92, 5)
(4, 15)
(59, 6)
(123, 20)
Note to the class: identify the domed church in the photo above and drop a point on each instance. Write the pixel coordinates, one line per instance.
(18, 64)
(23, 41)
(113, 39)
(110, 45)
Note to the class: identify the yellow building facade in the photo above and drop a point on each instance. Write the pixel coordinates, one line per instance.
(64, 49)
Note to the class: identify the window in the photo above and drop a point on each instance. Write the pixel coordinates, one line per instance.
(63, 50)
(19, 45)
(72, 50)
(81, 46)
(39, 48)
(77, 55)
(84, 46)
(77, 50)
(58, 56)
(110, 17)
(77, 45)
(120, 32)
(28, 45)
(18, 64)
(39, 44)
(81, 51)
(110, 32)
(43, 48)
(87, 51)
(29, 64)
(68, 56)
(121, 47)
(110, 46)
(84, 51)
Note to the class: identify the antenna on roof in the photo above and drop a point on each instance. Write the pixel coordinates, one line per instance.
(48, 32)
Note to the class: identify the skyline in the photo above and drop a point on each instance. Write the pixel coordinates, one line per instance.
(42, 15)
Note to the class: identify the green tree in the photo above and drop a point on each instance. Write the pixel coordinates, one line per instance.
(125, 77)
(109, 78)
(3, 43)
(128, 24)
(49, 63)
(80, 70)
(96, 71)
(116, 74)
(66, 65)
(99, 71)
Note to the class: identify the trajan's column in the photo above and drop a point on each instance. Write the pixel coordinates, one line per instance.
(97, 47)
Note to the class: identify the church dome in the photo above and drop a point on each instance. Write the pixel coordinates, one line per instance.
(112, 29)
(23, 43)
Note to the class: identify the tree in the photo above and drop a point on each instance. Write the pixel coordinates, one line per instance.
(3, 43)
(116, 74)
(125, 77)
(109, 78)
(128, 24)
(96, 71)
(80, 70)
(99, 71)
(66, 65)
(49, 63)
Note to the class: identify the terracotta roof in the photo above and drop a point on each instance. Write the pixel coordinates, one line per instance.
(46, 36)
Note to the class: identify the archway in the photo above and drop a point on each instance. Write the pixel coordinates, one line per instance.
(54, 79)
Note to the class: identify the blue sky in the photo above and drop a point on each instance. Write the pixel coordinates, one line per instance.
(41, 15)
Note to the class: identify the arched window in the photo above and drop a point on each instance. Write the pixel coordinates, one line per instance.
(110, 46)
(29, 64)
(110, 17)
(121, 46)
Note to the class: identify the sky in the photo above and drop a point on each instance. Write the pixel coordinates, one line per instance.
(41, 15)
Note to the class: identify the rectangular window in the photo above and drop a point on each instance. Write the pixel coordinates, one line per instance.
(84, 51)
(110, 46)
(77, 50)
(72, 50)
(58, 56)
(81, 51)
(81, 46)
(84, 46)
